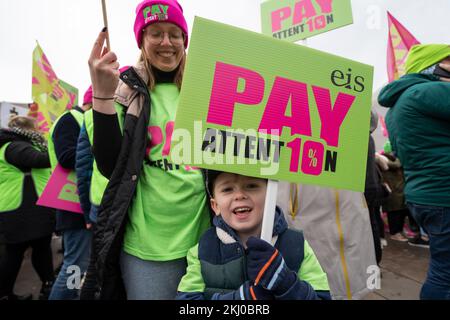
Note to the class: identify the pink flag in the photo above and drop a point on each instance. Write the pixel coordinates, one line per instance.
(383, 126)
(51, 95)
(399, 42)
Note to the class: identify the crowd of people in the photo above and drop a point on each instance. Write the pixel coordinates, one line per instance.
(147, 233)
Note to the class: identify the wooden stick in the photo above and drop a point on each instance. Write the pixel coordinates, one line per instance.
(105, 22)
(269, 210)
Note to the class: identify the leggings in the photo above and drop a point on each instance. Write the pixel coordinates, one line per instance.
(41, 259)
(373, 213)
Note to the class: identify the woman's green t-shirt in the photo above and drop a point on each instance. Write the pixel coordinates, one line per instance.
(169, 212)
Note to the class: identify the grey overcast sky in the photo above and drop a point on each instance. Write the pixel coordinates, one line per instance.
(66, 31)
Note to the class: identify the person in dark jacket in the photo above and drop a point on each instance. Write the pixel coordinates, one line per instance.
(152, 211)
(374, 191)
(395, 205)
(418, 121)
(231, 262)
(75, 227)
(84, 168)
(24, 171)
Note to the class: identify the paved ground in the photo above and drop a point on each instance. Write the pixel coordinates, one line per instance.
(27, 280)
(403, 271)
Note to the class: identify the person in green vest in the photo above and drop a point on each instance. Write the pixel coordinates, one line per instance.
(24, 172)
(231, 262)
(75, 228)
(152, 210)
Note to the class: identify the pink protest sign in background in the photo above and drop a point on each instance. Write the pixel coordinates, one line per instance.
(295, 20)
(61, 191)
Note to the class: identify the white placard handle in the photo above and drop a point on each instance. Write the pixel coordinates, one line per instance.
(269, 210)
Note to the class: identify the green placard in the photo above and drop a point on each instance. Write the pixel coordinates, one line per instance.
(295, 20)
(261, 107)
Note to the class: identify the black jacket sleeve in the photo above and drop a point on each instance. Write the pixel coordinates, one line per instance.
(107, 142)
(65, 138)
(24, 156)
(373, 189)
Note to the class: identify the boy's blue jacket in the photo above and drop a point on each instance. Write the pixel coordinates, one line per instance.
(217, 265)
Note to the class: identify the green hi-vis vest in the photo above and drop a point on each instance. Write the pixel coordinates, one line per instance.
(98, 181)
(51, 146)
(12, 179)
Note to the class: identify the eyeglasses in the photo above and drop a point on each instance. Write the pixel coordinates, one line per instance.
(156, 37)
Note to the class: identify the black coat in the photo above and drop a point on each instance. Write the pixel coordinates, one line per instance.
(29, 221)
(374, 191)
(113, 211)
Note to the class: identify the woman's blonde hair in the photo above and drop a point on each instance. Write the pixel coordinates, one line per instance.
(23, 122)
(151, 77)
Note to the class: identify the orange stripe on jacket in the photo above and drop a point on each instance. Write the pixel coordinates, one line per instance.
(253, 293)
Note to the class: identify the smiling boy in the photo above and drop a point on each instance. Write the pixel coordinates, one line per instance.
(230, 262)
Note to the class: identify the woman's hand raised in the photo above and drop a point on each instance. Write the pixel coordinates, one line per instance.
(104, 70)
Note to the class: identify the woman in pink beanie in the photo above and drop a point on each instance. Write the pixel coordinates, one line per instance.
(152, 210)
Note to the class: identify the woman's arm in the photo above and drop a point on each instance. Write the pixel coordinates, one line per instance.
(23, 155)
(65, 138)
(107, 142)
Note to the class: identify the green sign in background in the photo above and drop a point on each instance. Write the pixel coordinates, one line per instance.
(213, 42)
(294, 28)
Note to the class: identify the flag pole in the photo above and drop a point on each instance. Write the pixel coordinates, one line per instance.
(105, 22)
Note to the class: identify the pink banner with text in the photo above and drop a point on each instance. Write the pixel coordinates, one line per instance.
(399, 42)
(61, 191)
